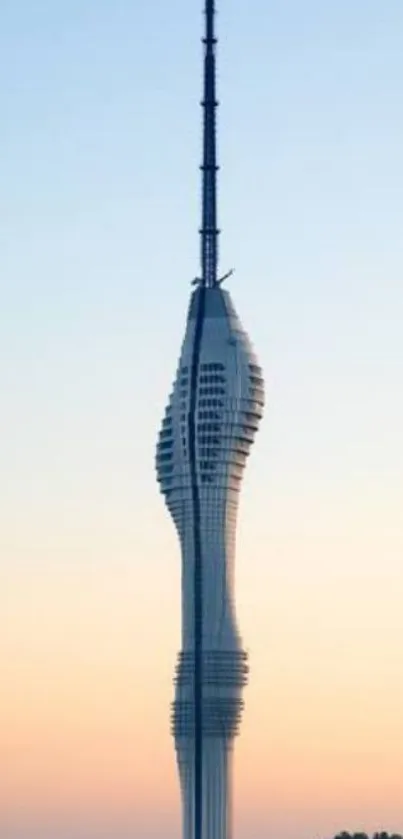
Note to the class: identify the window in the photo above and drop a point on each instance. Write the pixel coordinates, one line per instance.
(211, 390)
(254, 368)
(164, 457)
(211, 403)
(211, 379)
(164, 445)
(207, 466)
(206, 440)
(166, 433)
(212, 366)
(165, 468)
(213, 427)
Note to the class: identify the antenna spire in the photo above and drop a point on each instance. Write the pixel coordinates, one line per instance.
(209, 232)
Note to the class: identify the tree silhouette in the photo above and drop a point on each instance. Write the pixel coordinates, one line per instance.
(383, 834)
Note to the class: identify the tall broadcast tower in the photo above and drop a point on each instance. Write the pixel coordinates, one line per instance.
(207, 431)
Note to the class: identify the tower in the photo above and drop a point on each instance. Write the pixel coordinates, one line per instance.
(207, 431)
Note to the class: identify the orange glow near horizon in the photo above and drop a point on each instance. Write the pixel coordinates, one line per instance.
(88, 684)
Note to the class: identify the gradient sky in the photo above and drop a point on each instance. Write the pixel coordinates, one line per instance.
(99, 155)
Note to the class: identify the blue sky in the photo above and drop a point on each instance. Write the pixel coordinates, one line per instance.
(99, 212)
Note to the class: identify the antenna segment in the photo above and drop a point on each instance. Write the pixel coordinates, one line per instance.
(209, 232)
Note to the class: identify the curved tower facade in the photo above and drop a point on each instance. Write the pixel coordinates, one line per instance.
(207, 431)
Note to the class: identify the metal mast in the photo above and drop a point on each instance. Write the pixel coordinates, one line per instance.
(209, 232)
